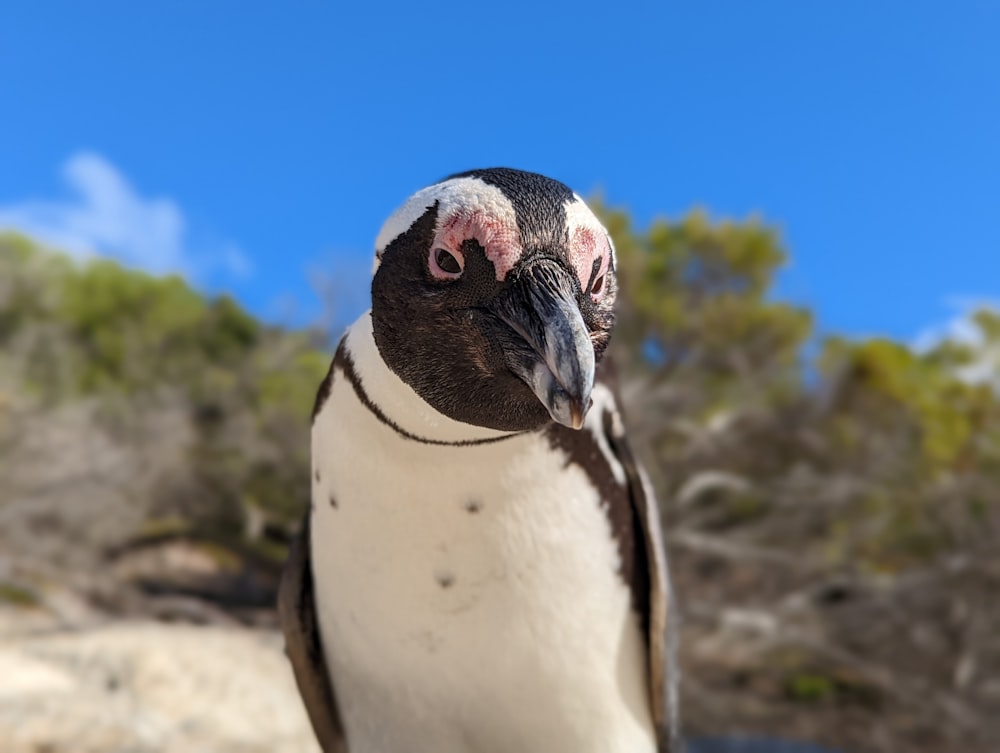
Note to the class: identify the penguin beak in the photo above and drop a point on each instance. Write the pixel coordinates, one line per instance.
(552, 351)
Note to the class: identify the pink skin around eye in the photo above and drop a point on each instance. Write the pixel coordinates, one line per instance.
(435, 268)
(585, 246)
(501, 241)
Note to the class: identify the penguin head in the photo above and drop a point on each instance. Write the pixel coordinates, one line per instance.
(493, 298)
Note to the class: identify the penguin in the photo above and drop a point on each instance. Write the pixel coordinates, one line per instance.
(482, 567)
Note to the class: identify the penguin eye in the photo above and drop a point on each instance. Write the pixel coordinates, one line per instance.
(598, 287)
(446, 265)
(597, 278)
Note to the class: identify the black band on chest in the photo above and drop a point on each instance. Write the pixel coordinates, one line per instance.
(343, 361)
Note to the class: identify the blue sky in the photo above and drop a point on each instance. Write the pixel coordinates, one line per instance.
(258, 146)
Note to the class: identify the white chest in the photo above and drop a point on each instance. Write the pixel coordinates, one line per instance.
(468, 597)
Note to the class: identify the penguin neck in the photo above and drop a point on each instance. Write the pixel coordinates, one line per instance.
(398, 403)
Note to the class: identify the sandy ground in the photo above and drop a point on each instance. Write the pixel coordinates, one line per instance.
(143, 686)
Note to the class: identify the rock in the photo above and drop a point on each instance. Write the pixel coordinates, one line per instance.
(145, 687)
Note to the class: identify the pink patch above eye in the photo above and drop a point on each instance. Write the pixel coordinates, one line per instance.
(585, 246)
(500, 240)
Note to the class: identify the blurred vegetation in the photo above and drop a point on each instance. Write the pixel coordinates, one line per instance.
(722, 367)
(831, 505)
(808, 482)
(746, 389)
(127, 344)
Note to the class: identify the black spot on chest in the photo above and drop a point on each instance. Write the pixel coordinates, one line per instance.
(473, 506)
(444, 579)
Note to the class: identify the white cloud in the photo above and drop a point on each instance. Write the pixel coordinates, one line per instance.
(962, 329)
(106, 216)
(959, 326)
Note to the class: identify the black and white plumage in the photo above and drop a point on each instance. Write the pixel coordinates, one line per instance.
(482, 567)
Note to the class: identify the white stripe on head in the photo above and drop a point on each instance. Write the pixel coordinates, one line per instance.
(467, 208)
(588, 240)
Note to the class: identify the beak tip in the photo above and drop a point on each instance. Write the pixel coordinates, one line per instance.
(572, 413)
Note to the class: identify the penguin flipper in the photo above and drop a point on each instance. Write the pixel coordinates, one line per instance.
(303, 645)
(661, 619)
